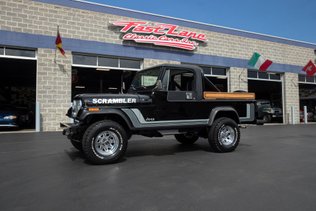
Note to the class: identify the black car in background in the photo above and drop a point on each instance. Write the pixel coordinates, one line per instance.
(267, 112)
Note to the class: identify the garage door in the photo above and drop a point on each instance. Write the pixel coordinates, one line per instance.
(268, 89)
(17, 88)
(307, 92)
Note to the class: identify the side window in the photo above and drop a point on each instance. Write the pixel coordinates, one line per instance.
(181, 80)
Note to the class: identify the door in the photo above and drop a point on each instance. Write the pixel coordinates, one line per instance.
(178, 99)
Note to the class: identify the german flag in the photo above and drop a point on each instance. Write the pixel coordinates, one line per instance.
(59, 43)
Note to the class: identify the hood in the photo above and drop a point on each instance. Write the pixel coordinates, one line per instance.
(112, 99)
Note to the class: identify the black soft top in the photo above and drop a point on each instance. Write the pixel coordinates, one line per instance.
(195, 68)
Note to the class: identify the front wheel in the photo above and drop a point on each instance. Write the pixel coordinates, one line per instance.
(224, 135)
(76, 144)
(267, 118)
(104, 142)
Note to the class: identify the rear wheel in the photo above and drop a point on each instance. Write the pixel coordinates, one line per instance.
(104, 142)
(224, 135)
(187, 138)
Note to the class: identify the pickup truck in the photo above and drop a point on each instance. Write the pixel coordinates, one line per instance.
(267, 112)
(162, 100)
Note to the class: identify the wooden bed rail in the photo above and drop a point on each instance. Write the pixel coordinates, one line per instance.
(229, 96)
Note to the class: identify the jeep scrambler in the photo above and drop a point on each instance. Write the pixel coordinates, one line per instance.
(163, 100)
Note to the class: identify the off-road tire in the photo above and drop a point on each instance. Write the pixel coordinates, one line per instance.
(76, 144)
(104, 142)
(224, 135)
(187, 138)
(267, 118)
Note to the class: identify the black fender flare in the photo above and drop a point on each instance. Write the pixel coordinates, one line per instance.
(226, 109)
(108, 111)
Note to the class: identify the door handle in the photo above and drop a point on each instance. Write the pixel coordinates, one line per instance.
(188, 95)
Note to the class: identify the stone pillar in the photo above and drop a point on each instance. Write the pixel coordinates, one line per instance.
(237, 79)
(53, 89)
(291, 98)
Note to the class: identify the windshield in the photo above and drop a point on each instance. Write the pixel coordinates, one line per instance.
(144, 80)
(265, 104)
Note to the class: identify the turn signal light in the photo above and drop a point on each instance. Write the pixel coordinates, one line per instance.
(94, 109)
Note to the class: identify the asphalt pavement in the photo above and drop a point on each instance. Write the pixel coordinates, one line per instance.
(274, 168)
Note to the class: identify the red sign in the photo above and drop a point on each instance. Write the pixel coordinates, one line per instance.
(160, 34)
(310, 68)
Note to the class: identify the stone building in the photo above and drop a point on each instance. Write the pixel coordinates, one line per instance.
(106, 45)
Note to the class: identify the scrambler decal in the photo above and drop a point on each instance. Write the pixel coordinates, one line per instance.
(113, 100)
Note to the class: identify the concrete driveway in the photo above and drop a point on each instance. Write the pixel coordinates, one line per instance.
(274, 168)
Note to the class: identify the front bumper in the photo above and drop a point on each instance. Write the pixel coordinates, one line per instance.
(277, 115)
(8, 122)
(72, 130)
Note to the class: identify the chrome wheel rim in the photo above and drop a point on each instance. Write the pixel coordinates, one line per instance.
(227, 135)
(106, 143)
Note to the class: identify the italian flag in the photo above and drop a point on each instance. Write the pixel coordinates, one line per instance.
(258, 62)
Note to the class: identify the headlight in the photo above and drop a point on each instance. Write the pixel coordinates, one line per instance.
(76, 106)
(10, 117)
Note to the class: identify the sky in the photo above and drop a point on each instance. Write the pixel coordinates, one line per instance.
(291, 19)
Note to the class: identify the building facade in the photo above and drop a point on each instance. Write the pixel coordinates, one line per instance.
(100, 56)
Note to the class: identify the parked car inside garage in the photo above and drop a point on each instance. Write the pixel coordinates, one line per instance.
(12, 116)
(267, 112)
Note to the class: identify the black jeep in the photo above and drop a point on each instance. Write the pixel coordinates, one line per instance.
(162, 100)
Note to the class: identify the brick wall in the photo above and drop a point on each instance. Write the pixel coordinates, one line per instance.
(237, 79)
(40, 18)
(291, 98)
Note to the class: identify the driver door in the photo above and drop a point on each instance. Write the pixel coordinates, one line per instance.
(177, 102)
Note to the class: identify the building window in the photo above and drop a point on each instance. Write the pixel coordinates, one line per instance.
(109, 62)
(216, 75)
(271, 76)
(17, 53)
(307, 79)
(81, 60)
(301, 78)
(127, 63)
(85, 60)
(252, 74)
(218, 71)
(263, 75)
(275, 77)
(211, 71)
(214, 71)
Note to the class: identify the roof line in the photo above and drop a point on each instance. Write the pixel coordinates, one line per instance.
(34, 41)
(195, 22)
